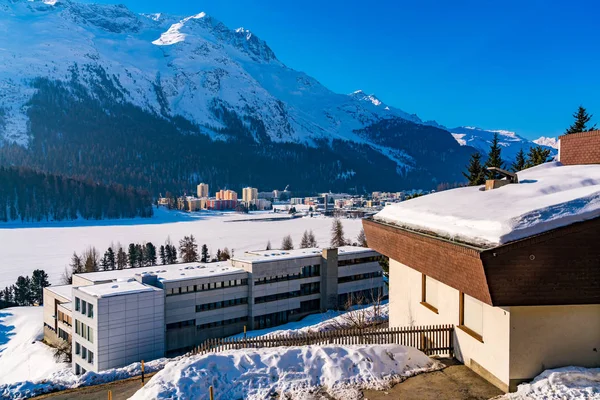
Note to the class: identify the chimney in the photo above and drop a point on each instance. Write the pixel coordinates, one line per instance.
(509, 178)
(579, 148)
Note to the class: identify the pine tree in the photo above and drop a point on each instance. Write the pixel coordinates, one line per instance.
(171, 254)
(519, 163)
(268, 245)
(111, 258)
(140, 256)
(23, 291)
(537, 155)
(312, 241)
(104, 262)
(163, 255)
(287, 243)
(150, 251)
(39, 280)
(121, 258)
(475, 174)
(494, 157)
(337, 234)
(581, 120)
(362, 238)
(304, 242)
(188, 248)
(76, 264)
(132, 255)
(205, 255)
(67, 277)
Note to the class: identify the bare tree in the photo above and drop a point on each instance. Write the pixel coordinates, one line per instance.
(90, 259)
(188, 248)
(304, 242)
(287, 243)
(67, 277)
(362, 238)
(268, 245)
(312, 241)
(63, 351)
(359, 314)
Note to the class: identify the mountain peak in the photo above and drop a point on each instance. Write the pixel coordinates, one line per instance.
(547, 141)
(360, 95)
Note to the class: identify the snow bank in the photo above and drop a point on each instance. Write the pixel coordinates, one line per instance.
(328, 321)
(548, 196)
(22, 355)
(341, 371)
(66, 379)
(561, 383)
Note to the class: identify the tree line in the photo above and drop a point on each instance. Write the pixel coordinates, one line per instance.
(137, 255)
(32, 196)
(25, 291)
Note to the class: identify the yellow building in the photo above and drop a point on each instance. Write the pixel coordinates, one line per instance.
(249, 194)
(203, 190)
(226, 195)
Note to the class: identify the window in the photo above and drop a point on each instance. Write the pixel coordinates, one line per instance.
(83, 353)
(83, 307)
(90, 311)
(77, 328)
(77, 348)
(77, 303)
(77, 369)
(90, 357)
(429, 293)
(471, 316)
(90, 334)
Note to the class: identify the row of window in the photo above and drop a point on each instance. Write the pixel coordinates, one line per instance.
(360, 297)
(310, 288)
(221, 304)
(359, 277)
(269, 320)
(63, 335)
(307, 272)
(79, 370)
(222, 323)
(65, 318)
(181, 324)
(86, 354)
(84, 331)
(206, 286)
(277, 296)
(352, 261)
(84, 307)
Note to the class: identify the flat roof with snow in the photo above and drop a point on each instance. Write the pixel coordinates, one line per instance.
(65, 291)
(547, 196)
(118, 288)
(170, 272)
(280, 255)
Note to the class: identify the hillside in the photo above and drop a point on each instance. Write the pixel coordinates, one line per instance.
(163, 102)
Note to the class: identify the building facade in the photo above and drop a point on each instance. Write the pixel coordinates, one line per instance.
(249, 194)
(226, 195)
(123, 316)
(202, 190)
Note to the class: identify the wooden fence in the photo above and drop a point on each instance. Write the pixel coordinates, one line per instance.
(432, 339)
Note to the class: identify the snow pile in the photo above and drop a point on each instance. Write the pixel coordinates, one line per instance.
(340, 371)
(325, 322)
(66, 379)
(547, 197)
(22, 355)
(561, 383)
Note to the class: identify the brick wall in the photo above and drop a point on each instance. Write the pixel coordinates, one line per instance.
(580, 148)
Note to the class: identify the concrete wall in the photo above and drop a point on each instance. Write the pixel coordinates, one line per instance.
(51, 302)
(553, 336)
(489, 358)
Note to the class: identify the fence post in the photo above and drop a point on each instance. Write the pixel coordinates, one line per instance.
(142, 372)
(110, 395)
(211, 394)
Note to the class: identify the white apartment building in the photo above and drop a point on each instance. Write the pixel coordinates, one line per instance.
(249, 194)
(122, 316)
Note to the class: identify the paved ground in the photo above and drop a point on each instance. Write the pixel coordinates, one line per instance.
(121, 390)
(455, 382)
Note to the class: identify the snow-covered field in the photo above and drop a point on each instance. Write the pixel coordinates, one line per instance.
(50, 246)
(295, 372)
(574, 383)
(22, 355)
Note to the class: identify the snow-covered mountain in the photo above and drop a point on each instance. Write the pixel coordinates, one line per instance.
(547, 141)
(511, 142)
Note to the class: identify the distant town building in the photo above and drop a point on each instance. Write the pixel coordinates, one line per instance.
(203, 190)
(249, 194)
(296, 200)
(226, 195)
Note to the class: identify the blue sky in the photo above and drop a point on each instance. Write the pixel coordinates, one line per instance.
(517, 65)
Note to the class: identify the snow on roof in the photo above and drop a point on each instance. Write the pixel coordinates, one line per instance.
(547, 196)
(116, 288)
(65, 291)
(166, 272)
(279, 255)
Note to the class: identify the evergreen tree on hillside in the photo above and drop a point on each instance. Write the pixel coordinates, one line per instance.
(22, 291)
(582, 118)
(287, 243)
(39, 280)
(361, 239)
(519, 163)
(162, 255)
(104, 265)
(150, 251)
(337, 234)
(110, 256)
(132, 255)
(475, 173)
(494, 158)
(537, 155)
(121, 258)
(188, 249)
(205, 255)
(140, 256)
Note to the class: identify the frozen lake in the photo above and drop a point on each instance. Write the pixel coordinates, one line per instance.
(49, 246)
